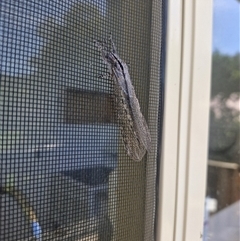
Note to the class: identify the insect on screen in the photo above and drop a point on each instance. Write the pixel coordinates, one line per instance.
(80, 115)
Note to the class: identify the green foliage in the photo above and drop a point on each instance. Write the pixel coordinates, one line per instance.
(225, 74)
(224, 135)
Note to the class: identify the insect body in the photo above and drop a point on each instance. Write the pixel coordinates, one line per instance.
(133, 126)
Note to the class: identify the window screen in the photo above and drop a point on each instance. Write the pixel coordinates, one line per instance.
(65, 174)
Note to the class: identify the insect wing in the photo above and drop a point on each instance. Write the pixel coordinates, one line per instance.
(139, 121)
(133, 126)
(134, 147)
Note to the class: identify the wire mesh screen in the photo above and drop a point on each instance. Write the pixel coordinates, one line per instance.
(65, 173)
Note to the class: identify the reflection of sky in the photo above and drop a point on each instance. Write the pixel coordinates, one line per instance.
(226, 26)
(19, 20)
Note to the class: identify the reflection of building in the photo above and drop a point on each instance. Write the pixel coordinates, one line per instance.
(57, 139)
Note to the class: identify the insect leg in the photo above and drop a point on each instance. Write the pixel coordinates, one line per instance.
(114, 50)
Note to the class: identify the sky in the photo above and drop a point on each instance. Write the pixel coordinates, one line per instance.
(226, 26)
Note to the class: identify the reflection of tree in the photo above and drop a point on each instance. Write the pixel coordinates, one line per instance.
(68, 51)
(224, 138)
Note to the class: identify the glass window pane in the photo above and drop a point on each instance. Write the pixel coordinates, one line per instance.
(222, 210)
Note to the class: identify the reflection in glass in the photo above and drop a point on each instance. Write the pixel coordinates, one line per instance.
(222, 207)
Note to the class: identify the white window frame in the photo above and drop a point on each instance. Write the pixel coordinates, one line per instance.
(186, 117)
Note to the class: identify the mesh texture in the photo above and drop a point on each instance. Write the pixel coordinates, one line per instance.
(65, 174)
